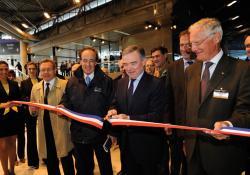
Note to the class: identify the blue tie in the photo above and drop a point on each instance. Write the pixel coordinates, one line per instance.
(87, 80)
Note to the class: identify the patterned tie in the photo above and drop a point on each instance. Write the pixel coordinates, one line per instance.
(130, 91)
(87, 80)
(205, 79)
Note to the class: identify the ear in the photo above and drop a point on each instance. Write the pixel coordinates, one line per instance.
(144, 62)
(217, 37)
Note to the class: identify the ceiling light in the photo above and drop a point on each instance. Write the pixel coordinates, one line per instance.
(146, 27)
(239, 26)
(121, 32)
(77, 1)
(103, 42)
(94, 40)
(234, 18)
(231, 3)
(46, 14)
(156, 28)
(25, 25)
(149, 26)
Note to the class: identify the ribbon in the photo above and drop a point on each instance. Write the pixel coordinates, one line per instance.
(98, 121)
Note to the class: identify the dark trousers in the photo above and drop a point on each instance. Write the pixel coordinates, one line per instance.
(164, 165)
(178, 159)
(32, 153)
(84, 154)
(52, 160)
(21, 137)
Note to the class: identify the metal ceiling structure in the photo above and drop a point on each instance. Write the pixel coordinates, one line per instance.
(234, 17)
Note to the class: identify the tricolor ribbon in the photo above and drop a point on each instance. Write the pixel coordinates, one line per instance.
(98, 121)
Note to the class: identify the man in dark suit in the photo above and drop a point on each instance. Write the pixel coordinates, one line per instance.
(26, 86)
(218, 95)
(140, 96)
(177, 81)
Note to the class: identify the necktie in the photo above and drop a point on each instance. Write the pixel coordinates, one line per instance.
(49, 137)
(130, 91)
(205, 79)
(190, 62)
(87, 80)
(46, 94)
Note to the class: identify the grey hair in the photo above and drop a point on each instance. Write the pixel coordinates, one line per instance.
(209, 25)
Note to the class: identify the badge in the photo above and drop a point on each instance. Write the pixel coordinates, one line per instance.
(221, 93)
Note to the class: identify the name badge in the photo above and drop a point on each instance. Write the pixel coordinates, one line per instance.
(222, 94)
(97, 89)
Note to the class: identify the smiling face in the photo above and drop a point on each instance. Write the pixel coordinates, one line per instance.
(48, 71)
(133, 64)
(185, 47)
(88, 61)
(247, 46)
(4, 70)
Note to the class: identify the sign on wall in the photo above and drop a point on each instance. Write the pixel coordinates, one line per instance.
(9, 47)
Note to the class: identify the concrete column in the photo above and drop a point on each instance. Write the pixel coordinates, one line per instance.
(23, 55)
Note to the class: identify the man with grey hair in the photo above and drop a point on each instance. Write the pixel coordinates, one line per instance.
(217, 96)
(140, 96)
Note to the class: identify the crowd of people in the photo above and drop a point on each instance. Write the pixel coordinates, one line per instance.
(205, 88)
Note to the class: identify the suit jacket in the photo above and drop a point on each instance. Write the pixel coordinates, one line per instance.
(60, 125)
(14, 94)
(147, 104)
(232, 76)
(26, 87)
(177, 83)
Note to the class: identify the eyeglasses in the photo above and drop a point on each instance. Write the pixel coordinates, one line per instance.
(198, 43)
(46, 70)
(91, 61)
(186, 45)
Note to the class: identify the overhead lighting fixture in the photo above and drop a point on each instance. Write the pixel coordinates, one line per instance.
(25, 25)
(156, 28)
(231, 3)
(234, 18)
(146, 27)
(239, 26)
(77, 1)
(46, 14)
(94, 40)
(149, 26)
(103, 42)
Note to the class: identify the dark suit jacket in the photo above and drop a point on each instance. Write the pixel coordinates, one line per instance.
(233, 76)
(177, 83)
(26, 87)
(148, 104)
(14, 94)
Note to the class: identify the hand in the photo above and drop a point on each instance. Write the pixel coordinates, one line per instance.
(33, 109)
(6, 105)
(59, 106)
(111, 113)
(114, 140)
(120, 116)
(218, 126)
(168, 131)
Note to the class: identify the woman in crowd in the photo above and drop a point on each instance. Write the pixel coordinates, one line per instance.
(9, 91)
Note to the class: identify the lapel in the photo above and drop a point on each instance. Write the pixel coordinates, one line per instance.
(41, 91)
(220, 72)
(196, 88)
(125, 91)
(139, 90)
(3, 90)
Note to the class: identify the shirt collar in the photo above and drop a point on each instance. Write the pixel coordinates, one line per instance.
(91, 76)
(216, 58)
(51, 83)
(139, 77)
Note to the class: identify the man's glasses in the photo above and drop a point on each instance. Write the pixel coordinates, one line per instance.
(198, 43)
